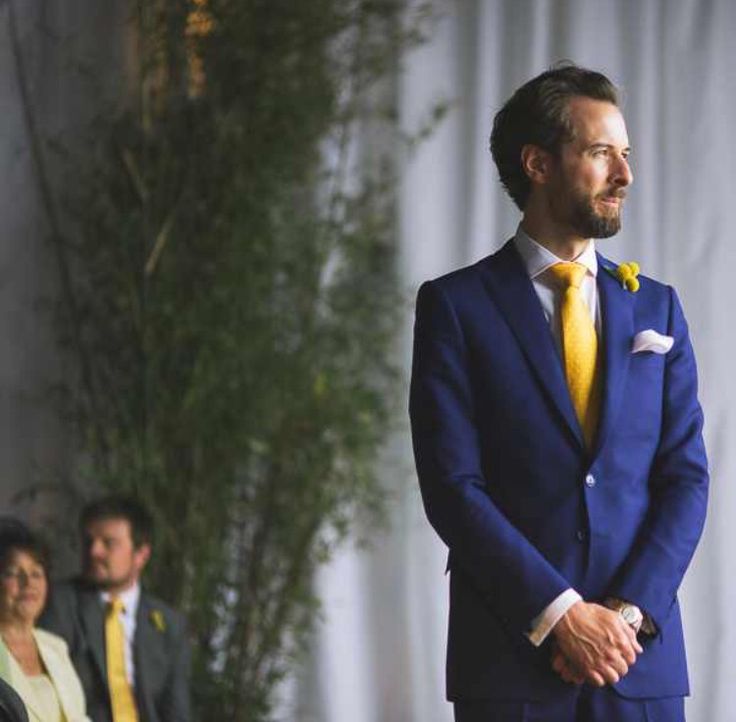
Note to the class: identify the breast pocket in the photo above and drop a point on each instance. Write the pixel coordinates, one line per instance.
(641, 406)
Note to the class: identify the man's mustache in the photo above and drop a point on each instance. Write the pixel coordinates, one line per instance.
(619, 193)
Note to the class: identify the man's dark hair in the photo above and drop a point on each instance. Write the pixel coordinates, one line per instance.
(538, 113)
(15, 536)
(120, 507)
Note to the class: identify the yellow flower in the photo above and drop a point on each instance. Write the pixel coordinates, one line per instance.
(627, 273)
(158, 620)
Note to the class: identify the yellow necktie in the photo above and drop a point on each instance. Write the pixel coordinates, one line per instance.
(121, 695)
(579, 348)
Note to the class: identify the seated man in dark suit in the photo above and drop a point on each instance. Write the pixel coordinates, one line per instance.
(129, 648)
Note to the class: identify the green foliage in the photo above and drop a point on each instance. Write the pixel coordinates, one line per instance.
(232, 308)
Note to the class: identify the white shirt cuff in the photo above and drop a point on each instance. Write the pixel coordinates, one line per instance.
(542, 624)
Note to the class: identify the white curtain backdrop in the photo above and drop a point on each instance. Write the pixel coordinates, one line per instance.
(379, 655)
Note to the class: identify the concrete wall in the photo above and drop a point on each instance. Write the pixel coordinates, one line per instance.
(74, 53)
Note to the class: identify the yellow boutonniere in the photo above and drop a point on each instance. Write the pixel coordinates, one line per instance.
(627, 273)
(158, 620)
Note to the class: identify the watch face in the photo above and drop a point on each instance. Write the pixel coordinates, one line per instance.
(630, 614)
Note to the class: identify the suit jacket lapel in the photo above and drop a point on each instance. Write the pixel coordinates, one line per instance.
(19, 682)
(93, 621)
(144, 642)
(617, 310)
(57, 671)
(508, 283)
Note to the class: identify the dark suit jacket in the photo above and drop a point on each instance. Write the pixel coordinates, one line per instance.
(11, 705)
(160, 648)
(525, 509)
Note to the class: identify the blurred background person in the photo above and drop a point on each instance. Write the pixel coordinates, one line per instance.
(32, 661)
(130, 649)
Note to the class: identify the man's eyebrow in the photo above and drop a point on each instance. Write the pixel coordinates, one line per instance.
(596, 145)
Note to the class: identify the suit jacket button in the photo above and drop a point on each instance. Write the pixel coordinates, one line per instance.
(580, 535)
(590, 480)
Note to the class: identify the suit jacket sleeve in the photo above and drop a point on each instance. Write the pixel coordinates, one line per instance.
(507, 569)
(175, 702)
(652, 573)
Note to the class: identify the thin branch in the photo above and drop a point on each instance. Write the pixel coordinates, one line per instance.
(158, 246)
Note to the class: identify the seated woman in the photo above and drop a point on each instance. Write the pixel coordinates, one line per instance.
(34, 662)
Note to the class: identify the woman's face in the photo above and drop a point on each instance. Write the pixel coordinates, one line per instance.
(23, 588)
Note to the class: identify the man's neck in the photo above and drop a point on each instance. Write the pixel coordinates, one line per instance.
(562, 243)
(119, 589)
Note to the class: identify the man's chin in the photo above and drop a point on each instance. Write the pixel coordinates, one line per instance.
(607, 230)
(593, 225)
(96, 580)
(107, 584)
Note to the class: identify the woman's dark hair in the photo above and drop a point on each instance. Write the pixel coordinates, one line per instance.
(15, 536)
(538, 114)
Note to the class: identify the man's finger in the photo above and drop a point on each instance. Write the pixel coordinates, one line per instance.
(625, 649)
(565, 669)
(558, 663)
(568, 673)
(628, 653)
(618, 664)
(631, 634)
(574, 675)
(626, 642)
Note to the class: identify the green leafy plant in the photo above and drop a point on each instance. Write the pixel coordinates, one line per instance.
(230, 299)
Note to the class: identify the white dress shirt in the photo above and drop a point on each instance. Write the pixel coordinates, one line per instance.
(538, 260)
(130, 598)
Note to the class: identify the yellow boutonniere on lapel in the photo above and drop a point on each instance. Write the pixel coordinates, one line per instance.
(158, 621)
(627, 273)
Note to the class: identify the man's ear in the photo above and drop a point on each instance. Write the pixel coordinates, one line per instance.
(537, 163)
(142, 555)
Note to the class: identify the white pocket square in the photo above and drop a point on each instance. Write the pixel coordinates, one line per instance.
(651, 340)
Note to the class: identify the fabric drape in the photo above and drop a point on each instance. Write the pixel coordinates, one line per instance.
(379, 656)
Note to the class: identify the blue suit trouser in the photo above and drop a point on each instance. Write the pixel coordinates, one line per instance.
(589, 704)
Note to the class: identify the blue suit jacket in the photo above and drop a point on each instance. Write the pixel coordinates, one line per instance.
(524, 508)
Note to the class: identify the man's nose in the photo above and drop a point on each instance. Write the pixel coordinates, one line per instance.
(96, 550)
(621, 173)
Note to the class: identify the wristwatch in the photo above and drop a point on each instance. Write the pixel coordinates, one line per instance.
(631, 614)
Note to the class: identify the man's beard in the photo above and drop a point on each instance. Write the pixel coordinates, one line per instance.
(105, 582)
(590, 224)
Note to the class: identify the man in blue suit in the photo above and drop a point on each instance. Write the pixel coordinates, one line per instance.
(558, 436)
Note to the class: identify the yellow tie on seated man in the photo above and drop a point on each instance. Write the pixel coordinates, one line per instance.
(121, 694)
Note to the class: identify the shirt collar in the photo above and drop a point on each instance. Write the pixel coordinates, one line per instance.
(130, 598)
(537, 259)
